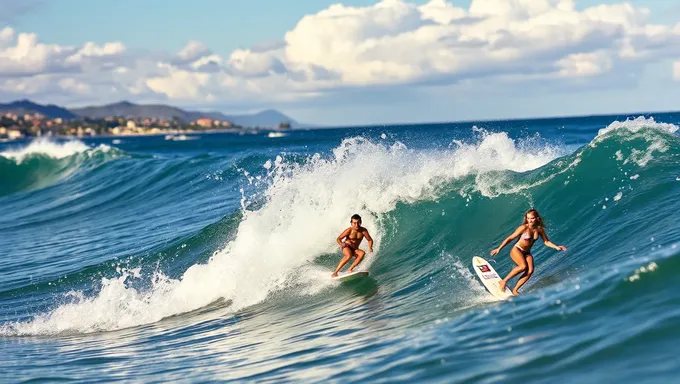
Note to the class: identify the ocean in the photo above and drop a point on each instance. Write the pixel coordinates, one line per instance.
(207, 257)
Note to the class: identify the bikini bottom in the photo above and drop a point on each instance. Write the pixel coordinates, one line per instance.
(524, 253)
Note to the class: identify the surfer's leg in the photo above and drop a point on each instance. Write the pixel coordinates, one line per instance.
(347, 254)
(527, 274)
(360, 255)
(518, 257)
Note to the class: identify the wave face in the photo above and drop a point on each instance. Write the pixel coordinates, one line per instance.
(225, 243)
(44, 162)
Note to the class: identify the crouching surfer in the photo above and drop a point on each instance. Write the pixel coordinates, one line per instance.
(349, 241)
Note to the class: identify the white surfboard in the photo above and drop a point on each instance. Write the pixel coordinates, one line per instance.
(489, 278)
(350, 276)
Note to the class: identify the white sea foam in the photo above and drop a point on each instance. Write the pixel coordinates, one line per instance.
(638, 128)
(305, 207)
(637, 124)
(50, 148)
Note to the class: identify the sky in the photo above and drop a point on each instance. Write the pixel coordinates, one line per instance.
(348, 62)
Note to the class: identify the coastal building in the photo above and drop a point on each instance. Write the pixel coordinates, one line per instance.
(33, 116)
(204, 122)
(14, 134)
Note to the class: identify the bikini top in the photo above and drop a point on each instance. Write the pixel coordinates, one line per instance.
(526, 236)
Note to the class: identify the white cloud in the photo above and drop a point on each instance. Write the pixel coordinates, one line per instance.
(6, 37)
(23, 55)
(258, 64)
(27, 57)
(193, 50)
(181, 84)
(441, 12)
(392, 42)
(585, 64)
(92, 51)
(72, 85)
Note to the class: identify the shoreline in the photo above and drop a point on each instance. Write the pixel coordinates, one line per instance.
(166, 133)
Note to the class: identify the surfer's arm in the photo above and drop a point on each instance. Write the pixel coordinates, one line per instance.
(340, 238)
(550, 244)
(370, 240)
(508, 239)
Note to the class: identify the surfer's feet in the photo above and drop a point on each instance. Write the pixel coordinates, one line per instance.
(350, 270)
(515, 293)
(501, 285)
(335, 274)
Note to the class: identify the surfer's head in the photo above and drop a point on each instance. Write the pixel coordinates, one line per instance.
(355, 220)
(533, 219)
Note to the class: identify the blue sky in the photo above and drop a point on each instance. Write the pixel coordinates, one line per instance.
(387, 80)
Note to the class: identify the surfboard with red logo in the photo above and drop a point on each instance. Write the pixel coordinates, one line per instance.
(490, 278)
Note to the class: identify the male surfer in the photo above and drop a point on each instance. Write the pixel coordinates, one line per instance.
(349, 241)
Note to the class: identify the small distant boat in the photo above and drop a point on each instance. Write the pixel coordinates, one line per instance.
(180, 137)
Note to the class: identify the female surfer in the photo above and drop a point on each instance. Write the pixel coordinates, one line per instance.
(530, 231)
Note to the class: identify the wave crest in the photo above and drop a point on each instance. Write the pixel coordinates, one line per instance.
(44, 162)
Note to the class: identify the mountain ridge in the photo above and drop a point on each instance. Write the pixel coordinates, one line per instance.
(25, 106)
(127, 109)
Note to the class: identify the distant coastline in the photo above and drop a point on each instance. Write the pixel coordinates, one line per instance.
(25, 119)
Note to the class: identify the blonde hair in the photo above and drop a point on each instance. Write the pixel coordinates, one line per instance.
(539, 220)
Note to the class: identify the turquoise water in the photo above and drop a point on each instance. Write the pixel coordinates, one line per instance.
(208, 257)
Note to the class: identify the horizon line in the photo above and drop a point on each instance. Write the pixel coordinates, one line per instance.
(514, 119)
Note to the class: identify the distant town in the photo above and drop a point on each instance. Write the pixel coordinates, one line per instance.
(19, 121)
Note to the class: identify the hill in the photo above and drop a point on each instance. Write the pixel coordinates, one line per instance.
(126, 109)
(21, 107)
(130, 110)
(267, 118)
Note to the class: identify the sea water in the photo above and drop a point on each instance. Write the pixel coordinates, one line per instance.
(151, 259)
